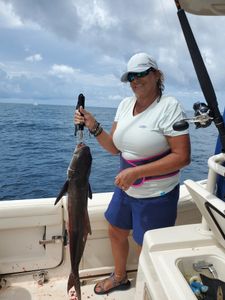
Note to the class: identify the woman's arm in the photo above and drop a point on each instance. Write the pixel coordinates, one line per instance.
(177, 159)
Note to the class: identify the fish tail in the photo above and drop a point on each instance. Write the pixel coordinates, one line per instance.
(74, 281)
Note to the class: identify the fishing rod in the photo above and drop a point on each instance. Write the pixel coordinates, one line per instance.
(202, 74)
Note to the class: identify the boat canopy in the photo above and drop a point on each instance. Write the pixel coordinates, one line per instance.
(204, 7)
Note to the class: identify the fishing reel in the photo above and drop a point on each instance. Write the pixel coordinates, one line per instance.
(202, 118)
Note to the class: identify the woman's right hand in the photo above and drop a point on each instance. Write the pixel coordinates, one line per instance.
(82, 116)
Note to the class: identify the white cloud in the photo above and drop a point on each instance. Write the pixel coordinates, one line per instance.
(7, 17)
(35, 57)
(94, 13)
(62, 70)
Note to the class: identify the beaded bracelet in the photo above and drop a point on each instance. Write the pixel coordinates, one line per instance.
(97, 130)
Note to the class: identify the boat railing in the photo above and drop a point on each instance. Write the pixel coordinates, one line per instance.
(215, 168)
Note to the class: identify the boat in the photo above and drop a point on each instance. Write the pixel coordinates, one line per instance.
(34, 249)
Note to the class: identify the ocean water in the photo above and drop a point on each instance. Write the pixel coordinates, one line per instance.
(37, 142)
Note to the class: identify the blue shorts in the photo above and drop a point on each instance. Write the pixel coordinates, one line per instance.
(142, 214)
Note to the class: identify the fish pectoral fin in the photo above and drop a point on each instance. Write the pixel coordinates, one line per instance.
(89, 191)
(62, 192)
(87, 224)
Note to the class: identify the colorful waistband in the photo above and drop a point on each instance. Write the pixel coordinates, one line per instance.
(124, 164)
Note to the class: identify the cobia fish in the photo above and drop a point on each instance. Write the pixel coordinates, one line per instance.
(78, 188)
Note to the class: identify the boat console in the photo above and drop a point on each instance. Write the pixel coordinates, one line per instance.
(173, 257)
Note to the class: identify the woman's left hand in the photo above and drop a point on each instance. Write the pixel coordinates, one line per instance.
(125, 178)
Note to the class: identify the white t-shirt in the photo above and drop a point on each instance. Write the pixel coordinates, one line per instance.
(143, 136)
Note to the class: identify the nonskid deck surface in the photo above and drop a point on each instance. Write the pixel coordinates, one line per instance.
(56, 289)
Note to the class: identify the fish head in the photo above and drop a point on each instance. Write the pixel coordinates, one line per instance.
(81, 161)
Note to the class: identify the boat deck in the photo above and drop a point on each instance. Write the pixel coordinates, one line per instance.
(56, 289)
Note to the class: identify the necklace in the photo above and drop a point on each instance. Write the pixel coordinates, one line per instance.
(138, 108)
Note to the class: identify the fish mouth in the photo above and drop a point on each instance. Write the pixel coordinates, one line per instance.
(80, 145)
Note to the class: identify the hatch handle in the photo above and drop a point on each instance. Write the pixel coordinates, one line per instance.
(54, 240)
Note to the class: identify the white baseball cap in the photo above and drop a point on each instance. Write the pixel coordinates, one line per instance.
(138, 63)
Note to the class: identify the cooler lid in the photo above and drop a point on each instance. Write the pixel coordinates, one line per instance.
(211, 207)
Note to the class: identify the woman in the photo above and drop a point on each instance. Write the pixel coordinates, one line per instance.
(151, 154)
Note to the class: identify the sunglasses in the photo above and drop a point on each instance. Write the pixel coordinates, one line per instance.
(132, 75)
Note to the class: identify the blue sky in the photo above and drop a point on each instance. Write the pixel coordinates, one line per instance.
(52, 50)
